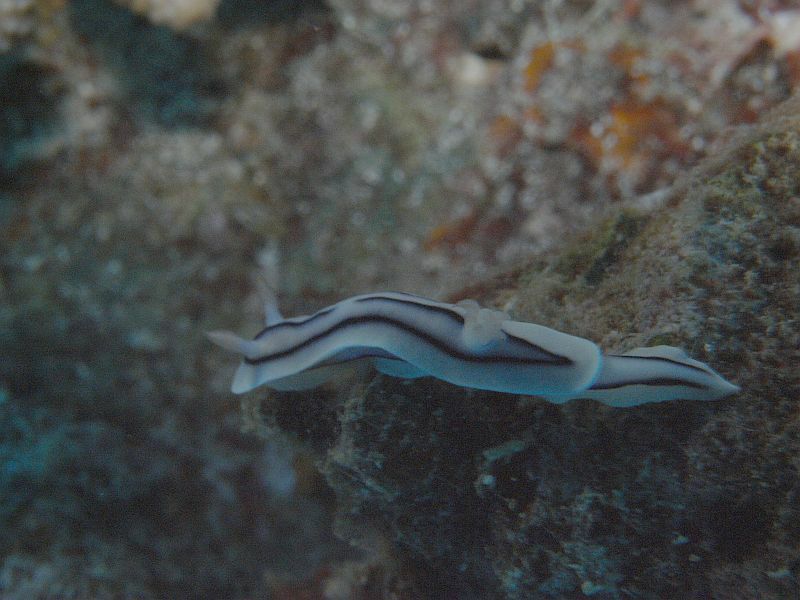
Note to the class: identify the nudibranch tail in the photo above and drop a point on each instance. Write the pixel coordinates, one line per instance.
(655, 374)
(231, 341)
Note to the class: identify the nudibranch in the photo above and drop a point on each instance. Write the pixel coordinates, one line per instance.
(408, 336)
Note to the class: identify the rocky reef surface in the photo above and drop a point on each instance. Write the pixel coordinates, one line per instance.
(158, 161)
(483, 495)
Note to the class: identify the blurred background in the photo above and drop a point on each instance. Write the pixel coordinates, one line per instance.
(160, 158)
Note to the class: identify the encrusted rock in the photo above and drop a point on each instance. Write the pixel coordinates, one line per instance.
(486, 495)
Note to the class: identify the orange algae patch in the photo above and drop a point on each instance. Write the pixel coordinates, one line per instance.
(630, 9)
(477, 227)
(792, 59)
(452, 233)
(541, 59)
(626, 57)
(638, 133)
(504, 133)
(533, 114)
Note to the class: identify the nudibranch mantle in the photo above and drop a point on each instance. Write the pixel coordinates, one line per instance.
(409, 336)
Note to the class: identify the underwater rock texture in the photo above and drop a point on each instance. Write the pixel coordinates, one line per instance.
(483, 495)
(121, 476)
(15, 22)
(150, 177)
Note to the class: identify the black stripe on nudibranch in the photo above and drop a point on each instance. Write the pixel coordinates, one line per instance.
(705, 371)
(443, 310)
(440, 345)
(553, 358)
(654, 382)
(291, 323)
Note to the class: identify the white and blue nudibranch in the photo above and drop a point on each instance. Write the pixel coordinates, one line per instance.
(409, 336)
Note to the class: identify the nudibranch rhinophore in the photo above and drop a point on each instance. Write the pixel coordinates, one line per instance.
(409, 336)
